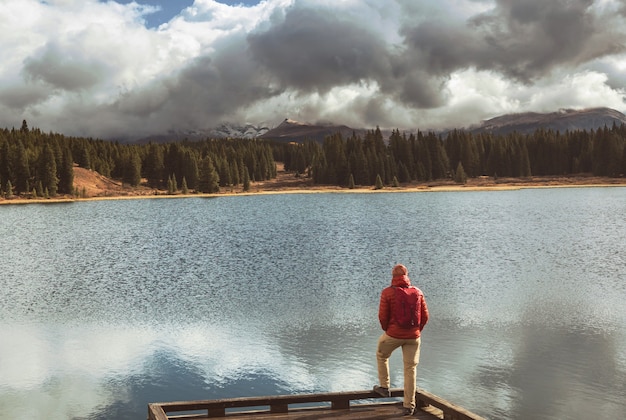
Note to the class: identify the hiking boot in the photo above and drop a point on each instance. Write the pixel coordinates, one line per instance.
(407, 411)
(383, 392)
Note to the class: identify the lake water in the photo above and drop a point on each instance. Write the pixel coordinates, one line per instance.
(106, 306)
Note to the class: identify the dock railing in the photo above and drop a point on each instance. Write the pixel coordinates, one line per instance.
(282, 403)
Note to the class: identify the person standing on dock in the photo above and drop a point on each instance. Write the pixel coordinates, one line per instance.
(402, 314)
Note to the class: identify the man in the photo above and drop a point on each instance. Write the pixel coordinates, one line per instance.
(400, 333)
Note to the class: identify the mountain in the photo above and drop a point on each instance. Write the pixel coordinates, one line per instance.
(233, 131)
(247, 131)
(562, 120)
(293, 131)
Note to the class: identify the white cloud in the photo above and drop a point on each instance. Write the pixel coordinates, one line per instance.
(70, 371)
(93, 68)
(585, 89)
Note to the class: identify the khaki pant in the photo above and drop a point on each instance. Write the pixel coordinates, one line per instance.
(410, 358)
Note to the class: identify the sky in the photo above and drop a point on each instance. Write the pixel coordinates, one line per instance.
(129, 69)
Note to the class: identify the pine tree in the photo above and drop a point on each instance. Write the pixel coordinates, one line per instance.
(22, 169)
(234, 170)
(9, 190)
(184, 188)
(153, 165)
(170, 185)
(460, 177)
(174, 183)
(190, 169)
(66, 172)
(132, 168)
(48, 171)
(379, 183)
(209, 179)
(246, 179)
(40, 189)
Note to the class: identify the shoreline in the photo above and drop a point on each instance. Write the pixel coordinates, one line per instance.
(470, 187)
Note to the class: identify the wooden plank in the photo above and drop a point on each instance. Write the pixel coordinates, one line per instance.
(155, 412)
(279, 406)
(450, 411)
(382, 411)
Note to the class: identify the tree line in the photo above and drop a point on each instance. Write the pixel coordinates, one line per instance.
(369, 160)
(38, 164)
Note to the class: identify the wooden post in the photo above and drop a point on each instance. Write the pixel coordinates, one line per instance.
(340, 404)
(217, 412)
(279, 408)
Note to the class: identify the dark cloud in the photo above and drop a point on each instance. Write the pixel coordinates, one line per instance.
(21, 97)
(522, 39)
(314, 50)
(210, 88)
(58, 68)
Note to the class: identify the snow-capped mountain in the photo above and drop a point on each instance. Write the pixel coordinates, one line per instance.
(233, 131)
(247, 131)
(562, 120)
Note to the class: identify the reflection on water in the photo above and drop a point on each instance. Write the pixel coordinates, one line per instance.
(110, 305)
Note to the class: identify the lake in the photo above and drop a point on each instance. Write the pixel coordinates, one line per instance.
(106, 306)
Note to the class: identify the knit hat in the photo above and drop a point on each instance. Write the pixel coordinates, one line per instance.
(399, 270)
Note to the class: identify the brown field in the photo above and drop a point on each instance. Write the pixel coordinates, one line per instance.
(95, 186)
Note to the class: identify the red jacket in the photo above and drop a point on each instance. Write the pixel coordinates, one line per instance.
(385, 309)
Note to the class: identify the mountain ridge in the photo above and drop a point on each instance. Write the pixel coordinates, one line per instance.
(294, 131)
(561, 120)
(290, 130)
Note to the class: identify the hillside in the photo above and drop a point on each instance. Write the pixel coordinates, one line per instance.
(90, 183)
(294, 131)
(572, 120)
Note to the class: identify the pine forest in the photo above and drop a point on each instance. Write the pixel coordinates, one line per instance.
(38, 164)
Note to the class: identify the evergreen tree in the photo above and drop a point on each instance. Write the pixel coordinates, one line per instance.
(66, 172)
(153, 165)
(9, 190)
(246, 179)
(132, 168)
(379, 183)
(170, 185)
(48, 171)
(209, 179)
(83, 158)
(39, 190)
(174, 183)
(460, 177)
(21, 169)
(190, 169)
(234, 170)
(184, 188)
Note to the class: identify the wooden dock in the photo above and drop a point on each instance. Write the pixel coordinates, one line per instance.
(366, 405)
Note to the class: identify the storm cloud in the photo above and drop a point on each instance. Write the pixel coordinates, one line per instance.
(93, 68)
